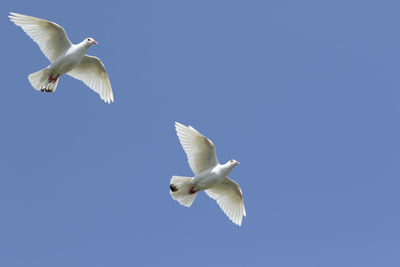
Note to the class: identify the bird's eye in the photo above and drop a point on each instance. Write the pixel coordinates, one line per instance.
(231, 160)
(88, 39)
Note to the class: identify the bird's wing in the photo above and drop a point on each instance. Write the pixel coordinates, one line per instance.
(199, 149)
(229, 197)
(50, 37)
(92, 72)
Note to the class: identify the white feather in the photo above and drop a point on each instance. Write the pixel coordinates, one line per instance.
(92, 72)
(209, 175)
(50, 36)
(229, 197)
(199, 149)
(65, 57)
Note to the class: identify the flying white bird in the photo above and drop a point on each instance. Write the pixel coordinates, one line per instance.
(65, 57)
(209, 175)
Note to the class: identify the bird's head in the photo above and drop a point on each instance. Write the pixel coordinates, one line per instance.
(232, 163)
(90, 41)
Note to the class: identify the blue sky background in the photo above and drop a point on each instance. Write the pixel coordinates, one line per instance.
(305, 94)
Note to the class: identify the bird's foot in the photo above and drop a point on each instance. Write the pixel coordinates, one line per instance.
(51, 76)
(193, 191)
(53, 79)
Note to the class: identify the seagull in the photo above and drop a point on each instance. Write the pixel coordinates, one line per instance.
(65, 57)
(209, 175)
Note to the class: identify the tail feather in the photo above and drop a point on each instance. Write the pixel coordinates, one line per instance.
(41, 82)
(179, 190)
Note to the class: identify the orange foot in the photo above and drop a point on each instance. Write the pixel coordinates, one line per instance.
(53, 79)
(193, 191)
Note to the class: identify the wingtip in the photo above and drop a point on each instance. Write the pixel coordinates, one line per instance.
(108, 100)
(18, 18)
(238, 222)
(12, 15)
(18, 14)
(178, 124)
(15, 15)
(182, 125)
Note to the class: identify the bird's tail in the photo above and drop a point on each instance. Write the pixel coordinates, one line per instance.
(43, 80)
(179, 190)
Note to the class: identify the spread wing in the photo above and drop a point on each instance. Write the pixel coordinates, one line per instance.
(229, 197)
(50, 37)
(199, 149)
(92, 72)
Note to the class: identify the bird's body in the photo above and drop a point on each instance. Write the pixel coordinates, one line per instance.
(70, 59)
(65, 57)
(210, 176)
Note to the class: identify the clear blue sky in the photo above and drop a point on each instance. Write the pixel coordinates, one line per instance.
(305, 94)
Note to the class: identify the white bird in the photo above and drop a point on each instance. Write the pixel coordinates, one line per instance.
(209, 175)
(65, 57)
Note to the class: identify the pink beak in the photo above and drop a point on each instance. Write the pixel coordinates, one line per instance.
(94, 42)
(237, 163)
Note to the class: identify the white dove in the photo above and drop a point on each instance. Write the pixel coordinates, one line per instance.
(65, 57)
(209, 175)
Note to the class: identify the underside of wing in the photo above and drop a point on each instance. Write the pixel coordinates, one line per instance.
(50, 36)
(92, 72)
(229, 197)
(199, 149)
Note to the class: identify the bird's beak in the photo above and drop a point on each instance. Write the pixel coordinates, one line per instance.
(237, 163)
(94, 42)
